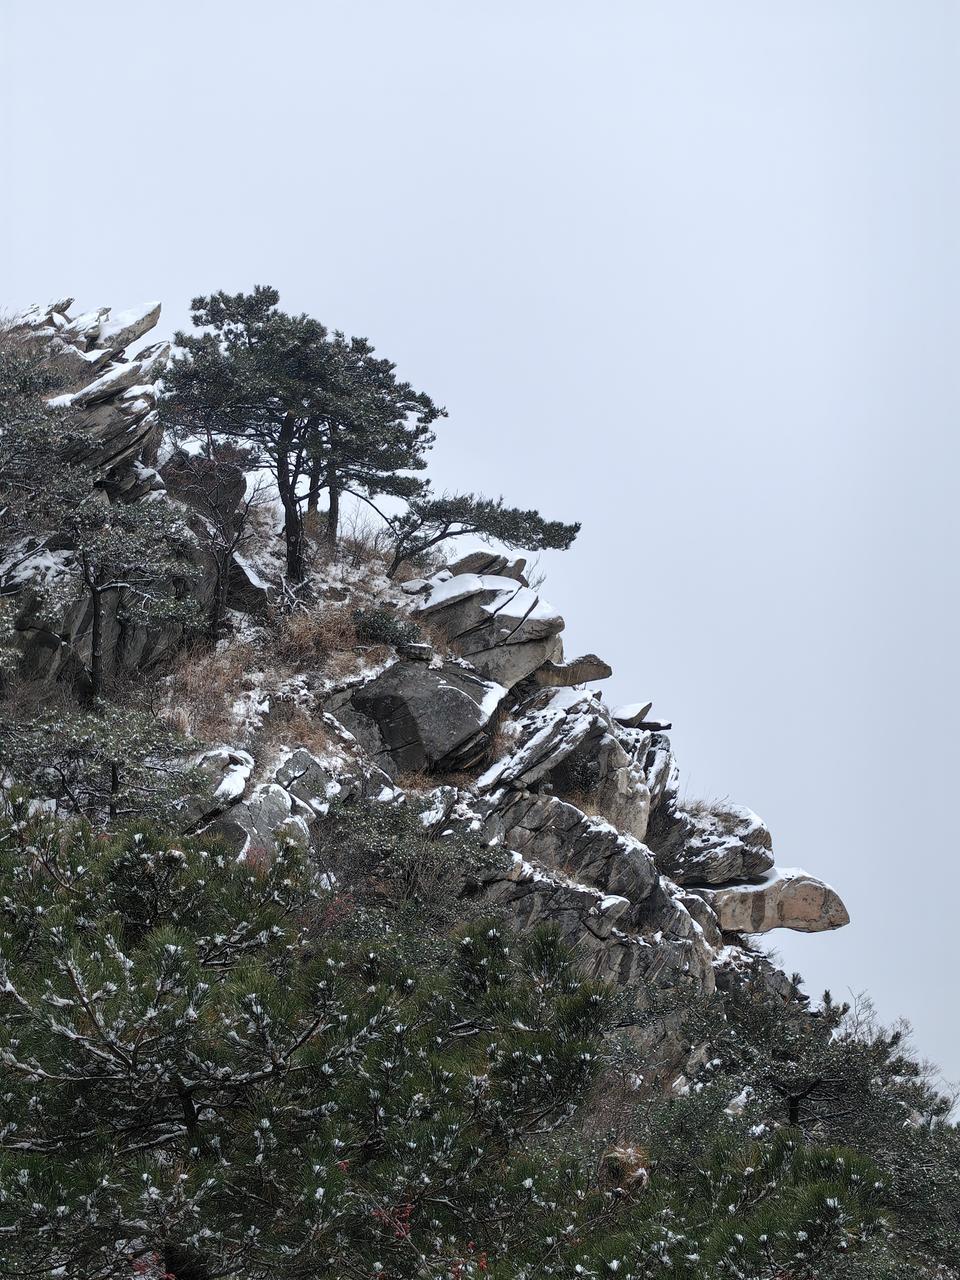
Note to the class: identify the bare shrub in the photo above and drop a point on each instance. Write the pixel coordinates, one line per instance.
(362, 542)
(415, 780)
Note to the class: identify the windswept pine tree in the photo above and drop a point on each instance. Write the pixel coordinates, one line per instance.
(217, 1068)
(431, 520)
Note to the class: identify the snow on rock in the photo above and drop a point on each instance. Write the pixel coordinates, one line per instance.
(713, 844)
(418, 716)
(120, 328)
(504, 628)
(632, 714)
(785, 898)
(235, 768)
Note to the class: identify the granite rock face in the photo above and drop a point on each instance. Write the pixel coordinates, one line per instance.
(715, 845)
(503, 628)
(580, 807)
(416, 716)
(112, 395)
(579, 802)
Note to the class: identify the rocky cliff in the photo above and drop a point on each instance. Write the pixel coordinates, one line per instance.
(481, 719)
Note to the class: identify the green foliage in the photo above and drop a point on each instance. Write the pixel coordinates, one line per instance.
(384, 626)
(431, 520)
(401, 871)
(747, 1209)
(108, 765)
(313, 405)
(832, 1076)
(199, 1070)
(230, 1069)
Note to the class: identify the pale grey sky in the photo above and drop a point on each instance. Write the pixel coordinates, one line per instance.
(683, 270)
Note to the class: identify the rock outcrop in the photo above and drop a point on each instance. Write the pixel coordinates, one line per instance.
(505, 629)
(579, 802)
(115, 394)
(116, 432)
(786, 898)
(713, 845)
(418, 716)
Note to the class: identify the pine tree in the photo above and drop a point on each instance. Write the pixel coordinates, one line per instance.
(430, 520)
(203, 1075)
(318, 409)
(108, 764)
(373, 431)
(227, 1069)
(829, 1075)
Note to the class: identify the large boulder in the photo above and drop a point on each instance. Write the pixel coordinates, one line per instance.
(786, 898)
(419, 717)
(504, 628)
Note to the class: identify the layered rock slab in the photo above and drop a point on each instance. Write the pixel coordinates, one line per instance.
(713, 845)
(505, 629)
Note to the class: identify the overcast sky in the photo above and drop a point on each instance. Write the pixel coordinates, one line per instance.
(687, 272)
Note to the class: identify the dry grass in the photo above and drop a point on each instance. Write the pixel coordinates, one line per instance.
(202, 688)
(417, 780)
(501, 744)
(626, 1169)
(435, 636)
(288, 725)
(585, 802)
(305, 639)
(720, 810)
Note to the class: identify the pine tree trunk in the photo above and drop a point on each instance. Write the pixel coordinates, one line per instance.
(218, 604)
(313, 495)
(114, 789)
(333, 514)
(293, 533)
(287, 487)
(97, 679)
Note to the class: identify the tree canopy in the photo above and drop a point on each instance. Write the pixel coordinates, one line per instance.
(430, 520)
(322, 411)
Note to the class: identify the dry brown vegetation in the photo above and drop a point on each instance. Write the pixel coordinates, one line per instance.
(417, 780)
(289, 725)
(202, 687)
(585, 802)
(721, 810)
(306, 639)
(500, 744)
